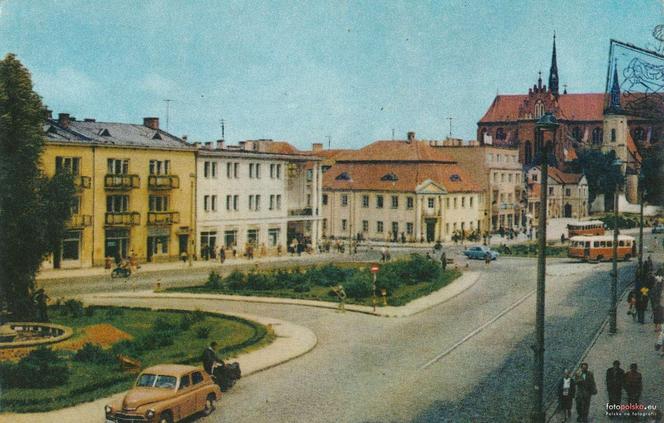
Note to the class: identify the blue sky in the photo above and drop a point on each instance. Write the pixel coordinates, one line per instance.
(300, 71)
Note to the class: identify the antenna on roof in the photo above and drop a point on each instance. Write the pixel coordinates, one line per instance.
(392, 134)
(168, 110)
(222, 122)
(329, 141)
(450, 118)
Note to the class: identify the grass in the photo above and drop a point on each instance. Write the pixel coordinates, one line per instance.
(401, 295)
(92, 381)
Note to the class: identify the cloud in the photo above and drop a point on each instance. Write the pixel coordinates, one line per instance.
(67, 86)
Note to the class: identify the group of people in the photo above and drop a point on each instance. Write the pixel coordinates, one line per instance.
(647, 293)
(581, 387)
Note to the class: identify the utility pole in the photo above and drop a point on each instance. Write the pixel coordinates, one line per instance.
(168, 111)
(392, 134)
(222, 123)
(450, 118)
(329, 141)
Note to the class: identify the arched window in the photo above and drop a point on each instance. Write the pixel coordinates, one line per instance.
(639, 134)
(500, 134)
(576, 134)
(528, 152)
(597, 136)
(539, 110)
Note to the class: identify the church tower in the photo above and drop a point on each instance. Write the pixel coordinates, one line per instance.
(616, 130)
(553, 71)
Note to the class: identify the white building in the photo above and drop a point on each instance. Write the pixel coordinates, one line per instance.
(263, 193)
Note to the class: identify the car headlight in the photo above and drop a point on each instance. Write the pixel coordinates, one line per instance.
(149, 414)
(108, 409)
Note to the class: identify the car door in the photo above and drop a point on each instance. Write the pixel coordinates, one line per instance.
(199, 390)
(186, 399)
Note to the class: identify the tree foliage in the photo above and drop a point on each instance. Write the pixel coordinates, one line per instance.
(653, 175)
(602, 175)
(31, 205)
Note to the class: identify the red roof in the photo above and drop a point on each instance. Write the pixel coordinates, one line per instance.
(564, 178)
(631, 147)
(579, 107)
(397, 177)
(396, 151)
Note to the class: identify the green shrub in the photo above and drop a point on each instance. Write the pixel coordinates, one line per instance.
(235, 280)
(162, 325)
(126, 347)
(414, 270)
(302, 288)
(328, 275)
(153, 340)
(202, 332)
(89, 311)
(258, 281)
(358, 286)
(93, 353)
(73, 308)
(389, 279)
(41, 368)
(198, 316)
(114, 312)
(186, 320)
(214, 280)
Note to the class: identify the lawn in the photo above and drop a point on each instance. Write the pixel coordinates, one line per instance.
(121, 331)
(403, 280)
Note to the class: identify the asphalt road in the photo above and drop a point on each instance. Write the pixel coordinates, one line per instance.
(369, 369)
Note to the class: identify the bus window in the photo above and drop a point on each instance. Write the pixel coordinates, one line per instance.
(621, 243)
(596, 244)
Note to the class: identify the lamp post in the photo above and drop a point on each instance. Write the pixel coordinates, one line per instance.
(642, 192)
(613, 323)
(191, 242)
(547, 123)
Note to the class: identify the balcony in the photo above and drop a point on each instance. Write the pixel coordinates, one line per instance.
(307, 211)
(82, 182)
(122, 218)
(502, 206)
(80, 221)
(121, 182)
(163, 218)
(163, 182)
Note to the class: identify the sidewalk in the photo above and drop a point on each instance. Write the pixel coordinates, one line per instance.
(464, 282)
(291, 341)
(634, 343)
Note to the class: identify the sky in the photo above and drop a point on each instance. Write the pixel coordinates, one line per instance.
(303, 71)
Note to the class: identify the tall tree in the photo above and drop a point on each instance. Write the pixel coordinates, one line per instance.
(602, 175)
(25, 216)
(57, 195)
(653, 175)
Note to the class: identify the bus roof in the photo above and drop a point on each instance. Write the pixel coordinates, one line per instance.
(601, 238)
(586, 223)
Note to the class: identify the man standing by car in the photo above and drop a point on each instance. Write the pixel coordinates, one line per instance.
(210, 358)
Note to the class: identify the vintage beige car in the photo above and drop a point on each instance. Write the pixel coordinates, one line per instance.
(166, 393)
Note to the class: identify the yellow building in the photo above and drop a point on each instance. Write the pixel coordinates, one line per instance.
(135, 189)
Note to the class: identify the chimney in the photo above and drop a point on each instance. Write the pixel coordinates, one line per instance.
(221, 144)
(63, 120)
(151, 122)
(411, 136)
(185, 138)
(209, 145)
(48, 114)
(89, 120)
(317, 146)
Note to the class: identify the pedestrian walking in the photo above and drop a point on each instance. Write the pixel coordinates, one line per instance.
(566, 391)
(487, 258)
(383, 254)
(641, 304)
(631, 300)
(222, 255)
(614, 383)
(183, 257)
(633, 384)
(585, 389)
(658, 317)
(443, 261)
(341, 293)
(659, 345)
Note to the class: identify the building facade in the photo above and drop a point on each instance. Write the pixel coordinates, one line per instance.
(135, 189)
(500, 175)
(261, 193)
(568, 195)
(399, 190)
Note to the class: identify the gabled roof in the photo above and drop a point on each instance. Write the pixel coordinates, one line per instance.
(359, 176)
(396, 151)
(580, 107)
(111, 134)
(562, 177)
(631, 147)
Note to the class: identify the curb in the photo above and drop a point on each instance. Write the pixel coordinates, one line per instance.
(457, 287)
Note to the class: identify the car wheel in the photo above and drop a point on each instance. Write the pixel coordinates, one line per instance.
(600, 258)
(628, 257)
(165, 418)
(210, 404)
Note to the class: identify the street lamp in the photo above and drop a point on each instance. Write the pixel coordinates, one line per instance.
(614, 273)
(547, 123)
(642, 192)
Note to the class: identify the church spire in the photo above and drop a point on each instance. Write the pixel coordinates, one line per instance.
(614, 95)
(553, 72)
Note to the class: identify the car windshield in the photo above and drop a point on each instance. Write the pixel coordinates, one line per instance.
(148, 380)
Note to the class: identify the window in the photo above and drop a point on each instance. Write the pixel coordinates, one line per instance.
(344, 224)
(639, 134)
(70, 164)
(158, 203)
(379, 201)
(395, 202)
(278, 171)
(447, 228)
(258, 202)
(365, 201)
(550, 190)
(185, 382)
(213, 204)
(568, 192)
(308, 200)
(455, 202)
(208, 238)
(534, 177)
(236, 170)
(613, 134)
(502, 177)
(273, 237)
(271, 207)
(229, 202)
(272, 170)
(117, 166)
(196, 378)
(365, 226)
(210, 169)
(409, 202)
(251, 202)
(409, 228)
(159, 167)
(117, 203)
(379, 227)
(206, 202)
(343, 176)
(389, 177)
(430, 202)
(310, 175)
(495, 177)
(230, 238)
(497, 158)
(470, 202)
(463, 202)
(447, 203)
(324, 225)
(509, 177)
(236, 202)
(489, 157)
(500, 134)
(344, 200)
(597, 136)
(278, 201)
(576, 134)
(395, 228)
(229, 170)
(76, 206)
(258, 170)
(252, 236)
(539, 110)
(71, 244)
(325, 199)
(251, 170)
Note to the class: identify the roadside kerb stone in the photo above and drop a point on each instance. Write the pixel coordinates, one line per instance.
(291, 341)
(458, 286)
